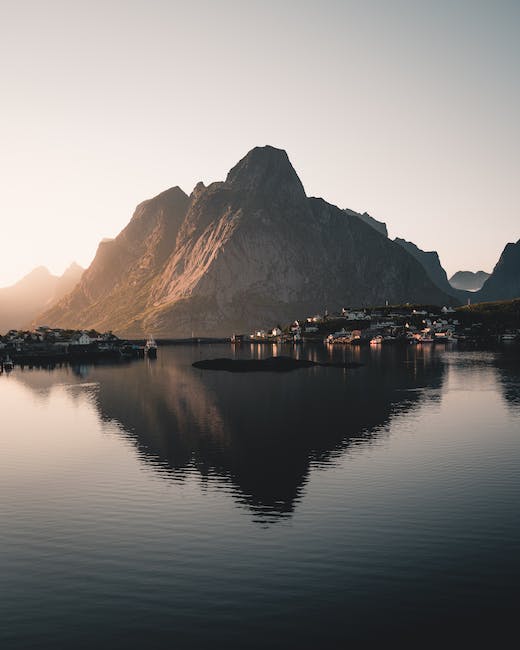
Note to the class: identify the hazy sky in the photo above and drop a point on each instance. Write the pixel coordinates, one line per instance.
(406, 109)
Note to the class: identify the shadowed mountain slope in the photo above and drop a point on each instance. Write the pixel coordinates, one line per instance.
(429, 260)
(431, 263)
(504, 282)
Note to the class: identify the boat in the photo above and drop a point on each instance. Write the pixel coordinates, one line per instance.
(150, 348)
(376, 340)
(426, 336)
(8, 365)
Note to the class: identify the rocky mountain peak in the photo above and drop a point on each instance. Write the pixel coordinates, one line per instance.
(267, 171)
(468, 281)
(73, 269)
(169, 199)
(39, 271)
(197, 190)
(166, 210)
(39, 275)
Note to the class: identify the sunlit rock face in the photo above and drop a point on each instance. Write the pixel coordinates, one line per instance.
(251, 250)
(504, 282)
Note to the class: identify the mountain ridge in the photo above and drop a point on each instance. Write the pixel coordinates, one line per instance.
(21, 302)
(431, 262)
(468, 280)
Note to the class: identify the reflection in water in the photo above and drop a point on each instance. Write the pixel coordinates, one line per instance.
(238, 427)
(508, 367)
(412, 530)
(262, 432)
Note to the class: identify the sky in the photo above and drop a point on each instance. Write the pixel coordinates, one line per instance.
(405, 109)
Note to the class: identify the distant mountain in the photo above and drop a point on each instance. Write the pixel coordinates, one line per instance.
(39, 290)
(504, 282)
(468, 281)
(377, 225)
(252, 250)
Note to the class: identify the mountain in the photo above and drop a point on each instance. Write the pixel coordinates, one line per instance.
(39, 290)
(430, 262)
(251, 250)
(504, 282)
(468, 281)
(380, 226)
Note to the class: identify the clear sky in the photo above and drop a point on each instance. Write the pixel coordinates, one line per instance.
(406, 109)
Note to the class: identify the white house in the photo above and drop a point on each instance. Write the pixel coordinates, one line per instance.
(81, 339)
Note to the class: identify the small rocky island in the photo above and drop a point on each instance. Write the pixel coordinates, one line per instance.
(270, 364)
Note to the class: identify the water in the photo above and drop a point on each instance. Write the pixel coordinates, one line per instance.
(153, 505)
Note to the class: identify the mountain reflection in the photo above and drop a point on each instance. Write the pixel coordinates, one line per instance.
(508, 372)
(260, 432)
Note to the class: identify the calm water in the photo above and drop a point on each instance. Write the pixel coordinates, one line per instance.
(153, 505)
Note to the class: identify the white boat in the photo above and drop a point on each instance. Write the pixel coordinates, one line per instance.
(377, 340)
(8, 365)
(150, 348)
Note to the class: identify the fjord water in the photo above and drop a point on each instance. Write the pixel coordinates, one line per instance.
(155, 505)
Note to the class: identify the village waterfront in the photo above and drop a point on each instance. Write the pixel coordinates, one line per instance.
(154, 504)
(484, 325)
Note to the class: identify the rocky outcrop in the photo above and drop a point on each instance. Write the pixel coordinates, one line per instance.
(237, 254)
(380, 226)
(468, 281)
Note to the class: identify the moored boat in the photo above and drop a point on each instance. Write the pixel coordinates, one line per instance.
(8, 365)
(150, 348)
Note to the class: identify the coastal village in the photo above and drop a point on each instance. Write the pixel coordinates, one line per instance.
(492, 323)
(48, 346)
(410, 324)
